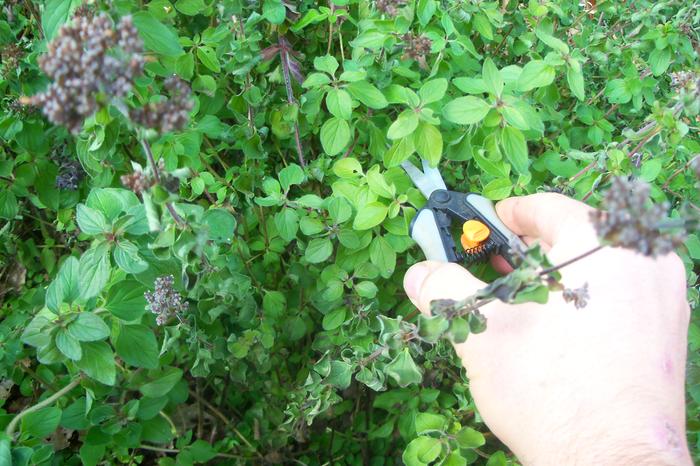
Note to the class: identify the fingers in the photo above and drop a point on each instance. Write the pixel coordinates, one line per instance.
(543, 216)
(427, 281)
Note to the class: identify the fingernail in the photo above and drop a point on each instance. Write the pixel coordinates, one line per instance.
(413, 281)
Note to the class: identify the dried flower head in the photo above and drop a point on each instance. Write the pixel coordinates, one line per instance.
(70, 172)
(416, 47)
(137, 181)
(164, 301)
(389, 7)
(630, 221)
(87, 59)
(682, 79)
(579, 296)
(10, 55)
(169, 115)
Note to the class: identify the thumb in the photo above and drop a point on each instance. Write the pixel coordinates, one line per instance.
(431, 280)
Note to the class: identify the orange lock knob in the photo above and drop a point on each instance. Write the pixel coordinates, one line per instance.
(474, 234)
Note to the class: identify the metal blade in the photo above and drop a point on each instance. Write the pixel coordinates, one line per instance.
(427, 180)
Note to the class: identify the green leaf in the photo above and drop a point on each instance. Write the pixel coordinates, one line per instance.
(370, 40)
(340, 375)
(316, 80)
(377, 183)
(497, 459)
(88, 327)
(493, 81)
(514, 118)
(428, 140)
(347, 168)
(8, 205)
(482, 24)
(156, 36)
(366, 289)
(162, 385)
(536, 73)
(68, 345)
(190, 7)
(125, 300)
(404, 125)
(543, 33)
(370, 215)
(64, 288)
(428, 422)
(291, 175)
(339, 103)
(318, 250)
(98, 362)
(366, 93)
(55, 15)
(399, 151)
(515, 148)
(90, 221)
(334, 319)
(201, 451)
(574, 77)
(455, 459)
(383, 256)
(126, 255)
(287, 223)
(421, 451)
(470, 438)
(660, 59)
(326, 63)
(207, 56)
(311, 17)
(137, 345)
(41, 423)
(94, 269)
(404, 370)
(466, 110)
(221, 224)
(335, 135)
(274, 11)
(5, 452)
(498, 189)
(432, 91)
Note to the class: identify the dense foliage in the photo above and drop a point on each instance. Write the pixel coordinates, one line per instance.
(204, 225)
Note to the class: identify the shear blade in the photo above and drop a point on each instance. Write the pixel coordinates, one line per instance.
(427, 180)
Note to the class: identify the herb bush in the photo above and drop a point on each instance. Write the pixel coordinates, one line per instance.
(204, 227)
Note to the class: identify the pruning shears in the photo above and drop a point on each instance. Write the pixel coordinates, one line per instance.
(483, 233)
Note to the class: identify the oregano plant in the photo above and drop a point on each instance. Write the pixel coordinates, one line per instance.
(205, 222)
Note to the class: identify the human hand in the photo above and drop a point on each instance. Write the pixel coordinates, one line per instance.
(559, 385)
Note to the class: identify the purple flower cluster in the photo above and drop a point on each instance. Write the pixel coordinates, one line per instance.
(169, 115)
(389, 7)
(630, 221)
(164, 301)
(579, 296)
(86, 59)
(416, 47)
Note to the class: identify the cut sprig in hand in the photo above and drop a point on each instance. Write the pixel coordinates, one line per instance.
(629, 220)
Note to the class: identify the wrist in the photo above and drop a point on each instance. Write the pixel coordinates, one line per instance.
(657, 445)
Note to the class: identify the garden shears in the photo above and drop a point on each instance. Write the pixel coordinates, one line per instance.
(483, 233)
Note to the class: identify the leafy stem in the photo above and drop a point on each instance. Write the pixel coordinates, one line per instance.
(10, 430)
(156, 175)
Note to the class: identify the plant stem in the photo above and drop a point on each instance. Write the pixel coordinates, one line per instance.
(10, 430)
(156, 175)
(226, 421)
(679, 171)
(175, 451)
(571, 261)
(284, 58)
